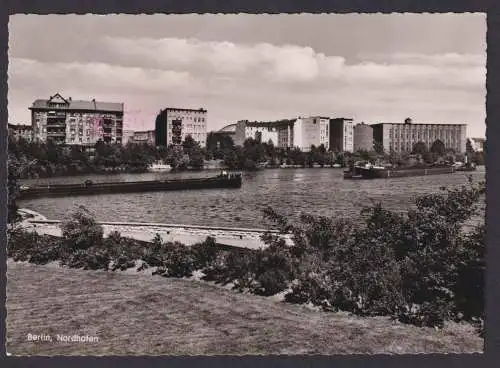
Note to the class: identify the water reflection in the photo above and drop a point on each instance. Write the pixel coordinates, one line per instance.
(290, 191)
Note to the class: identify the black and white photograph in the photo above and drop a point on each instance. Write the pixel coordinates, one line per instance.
(246, 184)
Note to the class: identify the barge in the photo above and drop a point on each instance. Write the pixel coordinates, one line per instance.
(385, 173)
(225, 180)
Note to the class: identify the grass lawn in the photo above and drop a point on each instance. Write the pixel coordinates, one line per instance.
(137, 314)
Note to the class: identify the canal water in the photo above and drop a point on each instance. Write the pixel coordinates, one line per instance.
(289, 191)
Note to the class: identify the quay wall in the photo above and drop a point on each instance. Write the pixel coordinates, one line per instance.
(185, 234)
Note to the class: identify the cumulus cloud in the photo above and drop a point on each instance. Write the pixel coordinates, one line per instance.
(292, 63)
(25, 72)
(259, 81)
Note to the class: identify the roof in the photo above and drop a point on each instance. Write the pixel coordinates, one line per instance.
(81, 105)
(269, 123)
(231, 128)
(341, 119)
(201, 109)
(417, 124)
(19, 126)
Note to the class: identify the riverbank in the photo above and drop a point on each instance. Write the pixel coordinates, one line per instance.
(185, 234)
(142, 315)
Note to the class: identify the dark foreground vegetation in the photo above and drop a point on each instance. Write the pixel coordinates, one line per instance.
(422, 267)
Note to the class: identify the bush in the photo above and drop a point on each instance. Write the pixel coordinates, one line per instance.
(205, 253)
(421, 267)
(179, 261)
(29, 246)
(81, 231)
(93, 258)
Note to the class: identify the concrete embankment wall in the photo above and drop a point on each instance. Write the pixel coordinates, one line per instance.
(185, 234)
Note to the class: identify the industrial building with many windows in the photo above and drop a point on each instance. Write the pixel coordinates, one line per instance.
(76, 122)
(401, 137)
(173, 125)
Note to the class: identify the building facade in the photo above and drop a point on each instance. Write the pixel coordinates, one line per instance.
(18, 131)
(401, 137)
(363, 137)
(173, 125)
(144, 137)
(341, 135)
(76, 122)
(279, 132)
(312, 131)
(128, 136)
(478, 144)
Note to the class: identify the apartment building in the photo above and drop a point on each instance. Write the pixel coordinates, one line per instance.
(76, 122)
(173, 125)
(401, 137)
(363, 137)
(311, 131)
(144, 137)
(279, 132)
(341, 135)
(18, 131)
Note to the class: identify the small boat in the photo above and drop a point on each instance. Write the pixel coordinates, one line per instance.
(159, 167)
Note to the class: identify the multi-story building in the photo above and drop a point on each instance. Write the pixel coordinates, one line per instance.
(18, 131)
(478, 144)
(264, 132)
(399, 137)
(76, 122)
(341, 135)
(173, 125)
(363, 137)
(279, 132)
(144, 137)
(312, 131)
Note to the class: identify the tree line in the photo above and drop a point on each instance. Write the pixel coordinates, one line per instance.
(50, 159)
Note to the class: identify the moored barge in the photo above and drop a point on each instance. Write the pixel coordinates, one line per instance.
(225, 180)
(385, 173)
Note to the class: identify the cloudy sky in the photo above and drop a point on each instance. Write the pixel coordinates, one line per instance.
(373, 68)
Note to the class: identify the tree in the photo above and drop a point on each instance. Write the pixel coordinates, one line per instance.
(196, 158)
(189, 144)
(438, 147)
(468, 146)
(419, 148)
(378, 147)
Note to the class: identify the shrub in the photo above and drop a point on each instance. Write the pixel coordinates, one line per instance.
(32, 247)
(204, 253)
(93, 258)
(421, 267)
(178, 261)
(81, 231)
